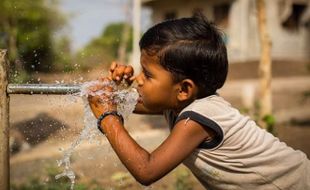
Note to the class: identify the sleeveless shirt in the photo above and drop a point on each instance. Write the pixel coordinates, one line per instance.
(242, 155)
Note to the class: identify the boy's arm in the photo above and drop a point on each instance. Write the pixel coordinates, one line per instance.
(149, 167)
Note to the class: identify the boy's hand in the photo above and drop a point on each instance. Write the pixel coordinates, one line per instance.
(118, 72)
(100, 104)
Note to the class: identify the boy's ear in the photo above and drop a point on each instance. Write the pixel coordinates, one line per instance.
(187, 90)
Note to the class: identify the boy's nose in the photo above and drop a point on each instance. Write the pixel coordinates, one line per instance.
(139, 79)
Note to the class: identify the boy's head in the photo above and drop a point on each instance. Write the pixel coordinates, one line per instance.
(189, 48)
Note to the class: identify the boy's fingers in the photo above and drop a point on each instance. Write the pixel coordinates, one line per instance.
(118, 73)
(128, 72)
(130, 80)
(112, 68)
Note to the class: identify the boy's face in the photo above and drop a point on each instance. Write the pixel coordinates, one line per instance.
(157, 90)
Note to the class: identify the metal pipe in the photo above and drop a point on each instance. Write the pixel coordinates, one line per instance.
(43, 88)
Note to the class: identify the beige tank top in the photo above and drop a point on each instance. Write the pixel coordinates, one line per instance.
(242, 155)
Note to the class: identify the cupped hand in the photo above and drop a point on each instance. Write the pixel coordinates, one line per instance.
(102, 102)
(119, 72)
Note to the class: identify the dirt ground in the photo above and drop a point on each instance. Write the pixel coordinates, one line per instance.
(43, 125)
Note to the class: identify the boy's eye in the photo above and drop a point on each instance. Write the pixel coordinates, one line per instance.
(147, 74)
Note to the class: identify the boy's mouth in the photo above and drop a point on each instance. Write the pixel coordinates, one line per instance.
(140, 99)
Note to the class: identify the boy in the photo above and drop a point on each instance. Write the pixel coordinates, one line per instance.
(184, 62)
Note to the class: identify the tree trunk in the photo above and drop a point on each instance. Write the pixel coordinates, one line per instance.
(11, 30)
(123, 44)
(125, 36)
(264, 65)
(136, 34)
(4, 123)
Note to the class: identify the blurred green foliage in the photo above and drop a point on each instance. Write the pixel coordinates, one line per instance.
(111, 38)
(104, 49)
(31, 31)
(270, 122)
(27, 30)
(183, 181)
(63, 57)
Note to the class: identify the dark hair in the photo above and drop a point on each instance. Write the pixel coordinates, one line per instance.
(189, 48)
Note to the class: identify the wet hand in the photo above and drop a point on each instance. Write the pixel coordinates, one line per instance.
(119, 72)
(102, 102)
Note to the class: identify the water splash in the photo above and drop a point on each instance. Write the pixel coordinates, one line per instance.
(123, 96)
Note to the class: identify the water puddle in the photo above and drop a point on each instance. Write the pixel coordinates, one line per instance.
(125, 99)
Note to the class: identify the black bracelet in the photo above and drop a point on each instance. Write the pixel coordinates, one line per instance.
(105, 114)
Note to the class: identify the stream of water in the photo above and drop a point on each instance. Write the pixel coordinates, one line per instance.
(125, 98)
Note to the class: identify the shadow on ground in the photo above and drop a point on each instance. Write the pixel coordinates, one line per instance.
(31, 132)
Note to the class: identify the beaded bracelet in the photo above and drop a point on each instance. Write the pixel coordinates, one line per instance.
(105, 114)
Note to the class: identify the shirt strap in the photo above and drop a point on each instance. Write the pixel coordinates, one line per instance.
(205, 122)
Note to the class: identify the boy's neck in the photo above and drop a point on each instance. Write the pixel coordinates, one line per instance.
(183, 105)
